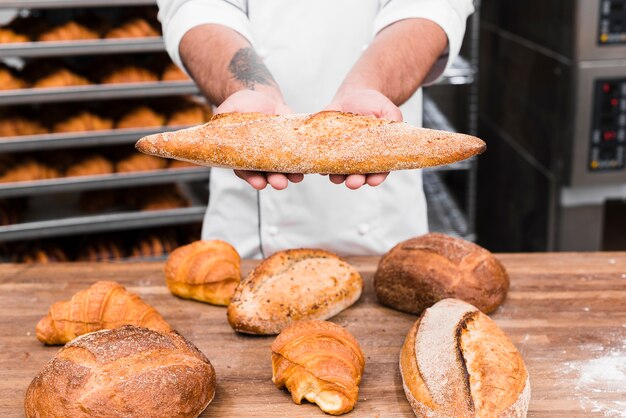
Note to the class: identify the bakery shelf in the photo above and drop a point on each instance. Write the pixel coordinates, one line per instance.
(101, 223)
(60, 4)
(444, 214)
(97, 92)
(461, 72)
(73, 48)
(107, 181)
(29, 143)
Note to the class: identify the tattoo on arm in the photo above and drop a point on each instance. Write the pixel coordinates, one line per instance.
(248, 68)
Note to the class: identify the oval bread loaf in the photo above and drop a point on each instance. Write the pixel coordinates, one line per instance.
(291, 286)
(329, 142)
(124, 372)
(457, 363)
(418, 272)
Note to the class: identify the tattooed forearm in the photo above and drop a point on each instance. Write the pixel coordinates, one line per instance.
(248, 68)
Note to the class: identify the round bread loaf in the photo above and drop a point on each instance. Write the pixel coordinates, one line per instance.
(125, 372)
(421, 271)
(457, 363)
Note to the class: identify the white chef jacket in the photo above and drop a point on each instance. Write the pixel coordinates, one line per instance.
(309, 46)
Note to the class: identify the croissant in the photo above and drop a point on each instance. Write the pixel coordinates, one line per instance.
(173, 73)
(101, 250)
(105, 305)
(8, 36)
(140, 117)
(61, 78)
(139, 162)
(319, 361)
(130, 74)
(17, 125)
(90, 166)
(136, 28)
(29, 170)
(192, 115)
(44, 256)
(84, 121)
(153, 246)
(8, 81)
(70, 31)
(208, 271)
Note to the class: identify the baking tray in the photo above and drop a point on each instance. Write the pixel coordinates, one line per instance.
(106, 181)
(28, 143)
(97, 92)
(91, 47)
(59, 4)
(101, 223)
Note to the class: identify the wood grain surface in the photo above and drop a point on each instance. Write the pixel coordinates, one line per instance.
(566, 313)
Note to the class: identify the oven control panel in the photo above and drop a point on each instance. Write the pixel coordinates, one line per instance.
(612, 24)
(608, 131)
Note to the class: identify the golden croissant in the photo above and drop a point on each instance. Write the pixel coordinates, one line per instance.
(318, 361)
(208, 271)
(105, 305)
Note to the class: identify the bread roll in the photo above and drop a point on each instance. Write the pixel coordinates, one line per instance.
(61, 77)
(29, 170)
(140, 162)
(457, 363)
(96, 250)
(9, 36)
(18, 125)
(125, 372)
(291, 286)
(153, 245)
(327, 142)
(173, 73)
(208, 271)
(10, 81)
(104, 305)
(321, 362)
(421, 271)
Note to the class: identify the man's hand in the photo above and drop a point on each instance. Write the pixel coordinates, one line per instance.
(363, 102)
(263, 102)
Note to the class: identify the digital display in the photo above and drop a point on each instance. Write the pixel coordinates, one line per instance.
(612, 23)
(608, 132)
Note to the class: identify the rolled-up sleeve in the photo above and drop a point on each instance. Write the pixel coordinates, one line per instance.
(179, 16)
(450, 15)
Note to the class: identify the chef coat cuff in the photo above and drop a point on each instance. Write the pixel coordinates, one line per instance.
(178, 19)
(450, 15)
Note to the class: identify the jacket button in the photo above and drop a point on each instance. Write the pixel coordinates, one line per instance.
(363, 229)
(272, 230)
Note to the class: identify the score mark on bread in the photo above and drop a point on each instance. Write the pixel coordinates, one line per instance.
(291, 286)
(329, 142)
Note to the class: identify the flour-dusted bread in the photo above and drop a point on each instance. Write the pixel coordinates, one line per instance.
(457, 363)
(124, 372)
(291, 286)
(328, 142)
(418, 272)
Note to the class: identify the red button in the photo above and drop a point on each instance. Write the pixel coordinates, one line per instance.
(609, 135)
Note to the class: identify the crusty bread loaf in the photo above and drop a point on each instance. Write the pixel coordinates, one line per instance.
(418, 272)
(125, 372)
(328, 142)
(291, 286)
(457, 363)
(321, 362)
(207, 270)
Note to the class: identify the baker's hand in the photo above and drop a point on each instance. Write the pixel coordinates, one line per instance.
(364, 102)
(262, 102)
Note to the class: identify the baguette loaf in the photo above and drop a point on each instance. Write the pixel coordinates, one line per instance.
(125, 372)
(328, 142)
(457, 363)
(291, 286)
(420, 271)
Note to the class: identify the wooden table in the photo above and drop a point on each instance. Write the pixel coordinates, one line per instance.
(566, 313)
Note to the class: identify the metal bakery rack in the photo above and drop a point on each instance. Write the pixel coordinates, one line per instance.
(68, 224)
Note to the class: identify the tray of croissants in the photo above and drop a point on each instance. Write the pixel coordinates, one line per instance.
(121, 357)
